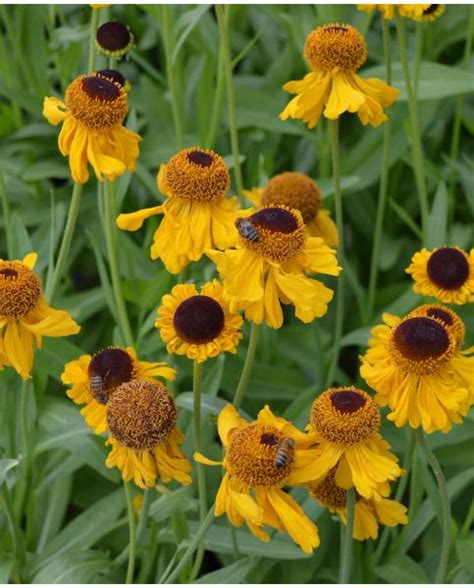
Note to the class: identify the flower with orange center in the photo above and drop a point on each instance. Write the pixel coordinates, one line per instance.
(92, 131)
(196, 183)
(299, 191)
(368, 514)
(198, 325)
(25, 316)
(93, 380)
(141, 418)
(446, 273)
(335, 52)
(346, 423)
(269, 267)
(419, 12)
(417, 368)
(260, 459)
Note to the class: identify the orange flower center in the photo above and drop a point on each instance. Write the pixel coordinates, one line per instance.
(335, 46)
(199, 319)
(20, 289)
(448, 268)
(294, 190)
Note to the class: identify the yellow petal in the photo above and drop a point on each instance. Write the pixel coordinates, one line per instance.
(30, 260)
(54, 110)
(134, 220)
(228, 419)
(200, 458)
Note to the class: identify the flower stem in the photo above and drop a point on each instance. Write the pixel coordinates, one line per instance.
(168, 46)
(132, 534)
(201, 476)
(346, 547)
(52, 286)
(418, 55)
(334, 126)
(15, 531)
(110, 228)
(417, 149)
(6, 217)
(223, 16)
(443, 493)
(245, 375)
(92, 49)
(27, 450)
(217, 103)
(383, 187)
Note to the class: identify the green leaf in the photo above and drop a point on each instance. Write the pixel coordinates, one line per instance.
(438, 219)
(5, 466)
(172, 502)
(401, 569)
(81, 567)
(236, 573)
(465, 551)
(209, 404)
(187, 21)
(7, 562)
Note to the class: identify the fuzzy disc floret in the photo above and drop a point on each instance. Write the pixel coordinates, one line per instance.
(114, 367)
(114, 38)
(294, 190)
(20, 289)
(451, 320)
(335, 46)
(199, 319)
(448, 268)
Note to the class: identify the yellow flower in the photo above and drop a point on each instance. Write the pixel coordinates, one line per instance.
(114, 39)
(96, 6)
(25, 316)
(198, 325)
(251, 489)
(92, 115)
(446, 273)
(419, 12)
(93, 379)
(346, 423)
(141, 418)
(335, 52)
(270, 267)
(429, 13)
(368, 514)
(196, 182)
(299, 191)
(417, 369)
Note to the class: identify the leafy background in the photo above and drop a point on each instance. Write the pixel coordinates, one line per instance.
(77, 528)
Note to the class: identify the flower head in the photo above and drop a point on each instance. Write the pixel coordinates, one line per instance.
(419, 12)
(368, 514)
(196, 183)
(346, 422)
(94, 379)
(448, 317)
(446, 273)
(299, 191)
(260, 459)
(141, 418)
(92, 115)
(269, 267)
(198, 325)
(114, 39)
(25, 316)
(335, 52)
(416, 367)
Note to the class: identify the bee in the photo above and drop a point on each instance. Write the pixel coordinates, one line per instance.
(285, 452)
(247, 229)
(98, 390)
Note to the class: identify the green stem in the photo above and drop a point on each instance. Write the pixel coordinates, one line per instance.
(92, 48)
(27, 449)
(383, 187)
(132, 534)
(417, 150)
(15, 533)
(334, 126)
(52, 286)
(418, 54)
(6, 217)
(249, 359)
(217, 102)
(110, 236)
(197, 386)
(147, 498)
(346, 547)
(198, 537)
(223, 15)
(443, 493)
(175, 104)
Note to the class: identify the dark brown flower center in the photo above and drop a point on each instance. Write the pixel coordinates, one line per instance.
(421, 338)
(113, 36)
(114, 367)
(279, 220)
(431, 8)
(448, 268)
(347, 401)
(9, 273)
(200, 158)
(441, 314)
(269, 439)
(99, 88)
(199, 319)
(112, 74)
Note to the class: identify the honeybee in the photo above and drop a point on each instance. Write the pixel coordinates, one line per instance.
(247, 229)
(98, 390)
(285, 452)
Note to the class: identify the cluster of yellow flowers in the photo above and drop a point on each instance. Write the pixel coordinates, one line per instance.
(264, 256)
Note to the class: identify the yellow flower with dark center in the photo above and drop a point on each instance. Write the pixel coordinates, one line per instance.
(97, 6)
(93, 379)
(335, 52)
(196, 182)
(92, 115)
(269, 266)
(448, 317)
(114, 39)
(419, 12)
(251, 489)
(346, 422)
(198, 325)
(368, 514)
(141, 418)
(417, 369)
(25, 316)
(297, 190)
(446, 273)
